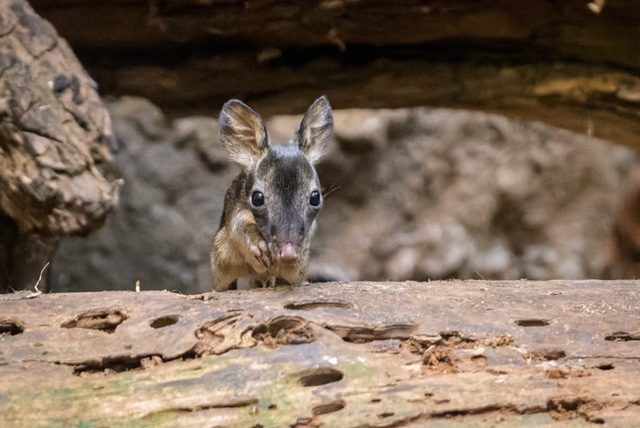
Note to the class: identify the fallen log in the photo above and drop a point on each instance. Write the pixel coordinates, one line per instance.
(347, 355)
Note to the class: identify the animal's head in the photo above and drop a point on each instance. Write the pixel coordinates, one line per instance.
(282, 189)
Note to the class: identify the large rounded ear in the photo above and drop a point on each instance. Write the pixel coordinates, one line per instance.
(315, 129)
(243, 133)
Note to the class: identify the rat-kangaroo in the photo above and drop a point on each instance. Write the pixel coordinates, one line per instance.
(270, 209)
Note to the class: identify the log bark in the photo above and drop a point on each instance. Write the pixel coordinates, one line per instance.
(55, 139)
(571, 28)
(351, 354)
(572, 64)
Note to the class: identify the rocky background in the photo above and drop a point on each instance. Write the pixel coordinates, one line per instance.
(415, 192)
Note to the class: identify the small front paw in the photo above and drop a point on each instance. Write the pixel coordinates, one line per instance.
(264, 282)
(258, 254)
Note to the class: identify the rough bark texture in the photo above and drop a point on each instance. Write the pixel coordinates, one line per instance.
(572, 64)
(54, 147)
(449, 354)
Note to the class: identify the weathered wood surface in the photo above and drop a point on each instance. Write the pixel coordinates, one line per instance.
(334, 355)
(56, 175)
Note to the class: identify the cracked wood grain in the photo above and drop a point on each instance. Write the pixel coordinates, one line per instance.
(477, 352)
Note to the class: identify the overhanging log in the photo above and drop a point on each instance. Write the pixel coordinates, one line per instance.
(595, 100)
(572, 64)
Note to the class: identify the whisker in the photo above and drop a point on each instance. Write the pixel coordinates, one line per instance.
(329, 191)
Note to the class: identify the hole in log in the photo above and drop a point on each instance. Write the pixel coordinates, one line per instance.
(272, 407)
(546, 355)
(532, 322)
(359, 334)
(103, 320)
(375, 400)
(468, 412)
(307, 306)
(565, 408)
(319, 376)
(479, 360)
(438, 353)
(334, 406)
(165, 321)
(284, 331)
(110, 366)
(277, 325)
(161, 416)
(385, 415)
(10, 328)
(621, 336)
(605, 367)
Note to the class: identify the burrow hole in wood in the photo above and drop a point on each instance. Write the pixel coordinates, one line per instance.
(164, 321)
(284, 331)
(115, 365)
(331, 407)
(605, 366)
(563, 408)
(10, 328)
(108, 366)
(106, 320)
(546, 355)
(532, 322)
(621, 336)
(367, 334)
(320, 376)
(308, 306)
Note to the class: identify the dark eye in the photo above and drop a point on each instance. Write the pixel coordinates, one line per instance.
(257, 198)
(314, 200)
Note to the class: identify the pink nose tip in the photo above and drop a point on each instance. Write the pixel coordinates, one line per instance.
(288, 252)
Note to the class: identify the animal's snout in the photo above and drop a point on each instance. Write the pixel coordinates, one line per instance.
(288, 251)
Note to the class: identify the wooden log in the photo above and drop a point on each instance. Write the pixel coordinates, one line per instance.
(572, 64)
(336, 355)
(570, 28)
(56, 176)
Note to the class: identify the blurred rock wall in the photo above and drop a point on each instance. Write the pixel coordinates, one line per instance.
(411, 194)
